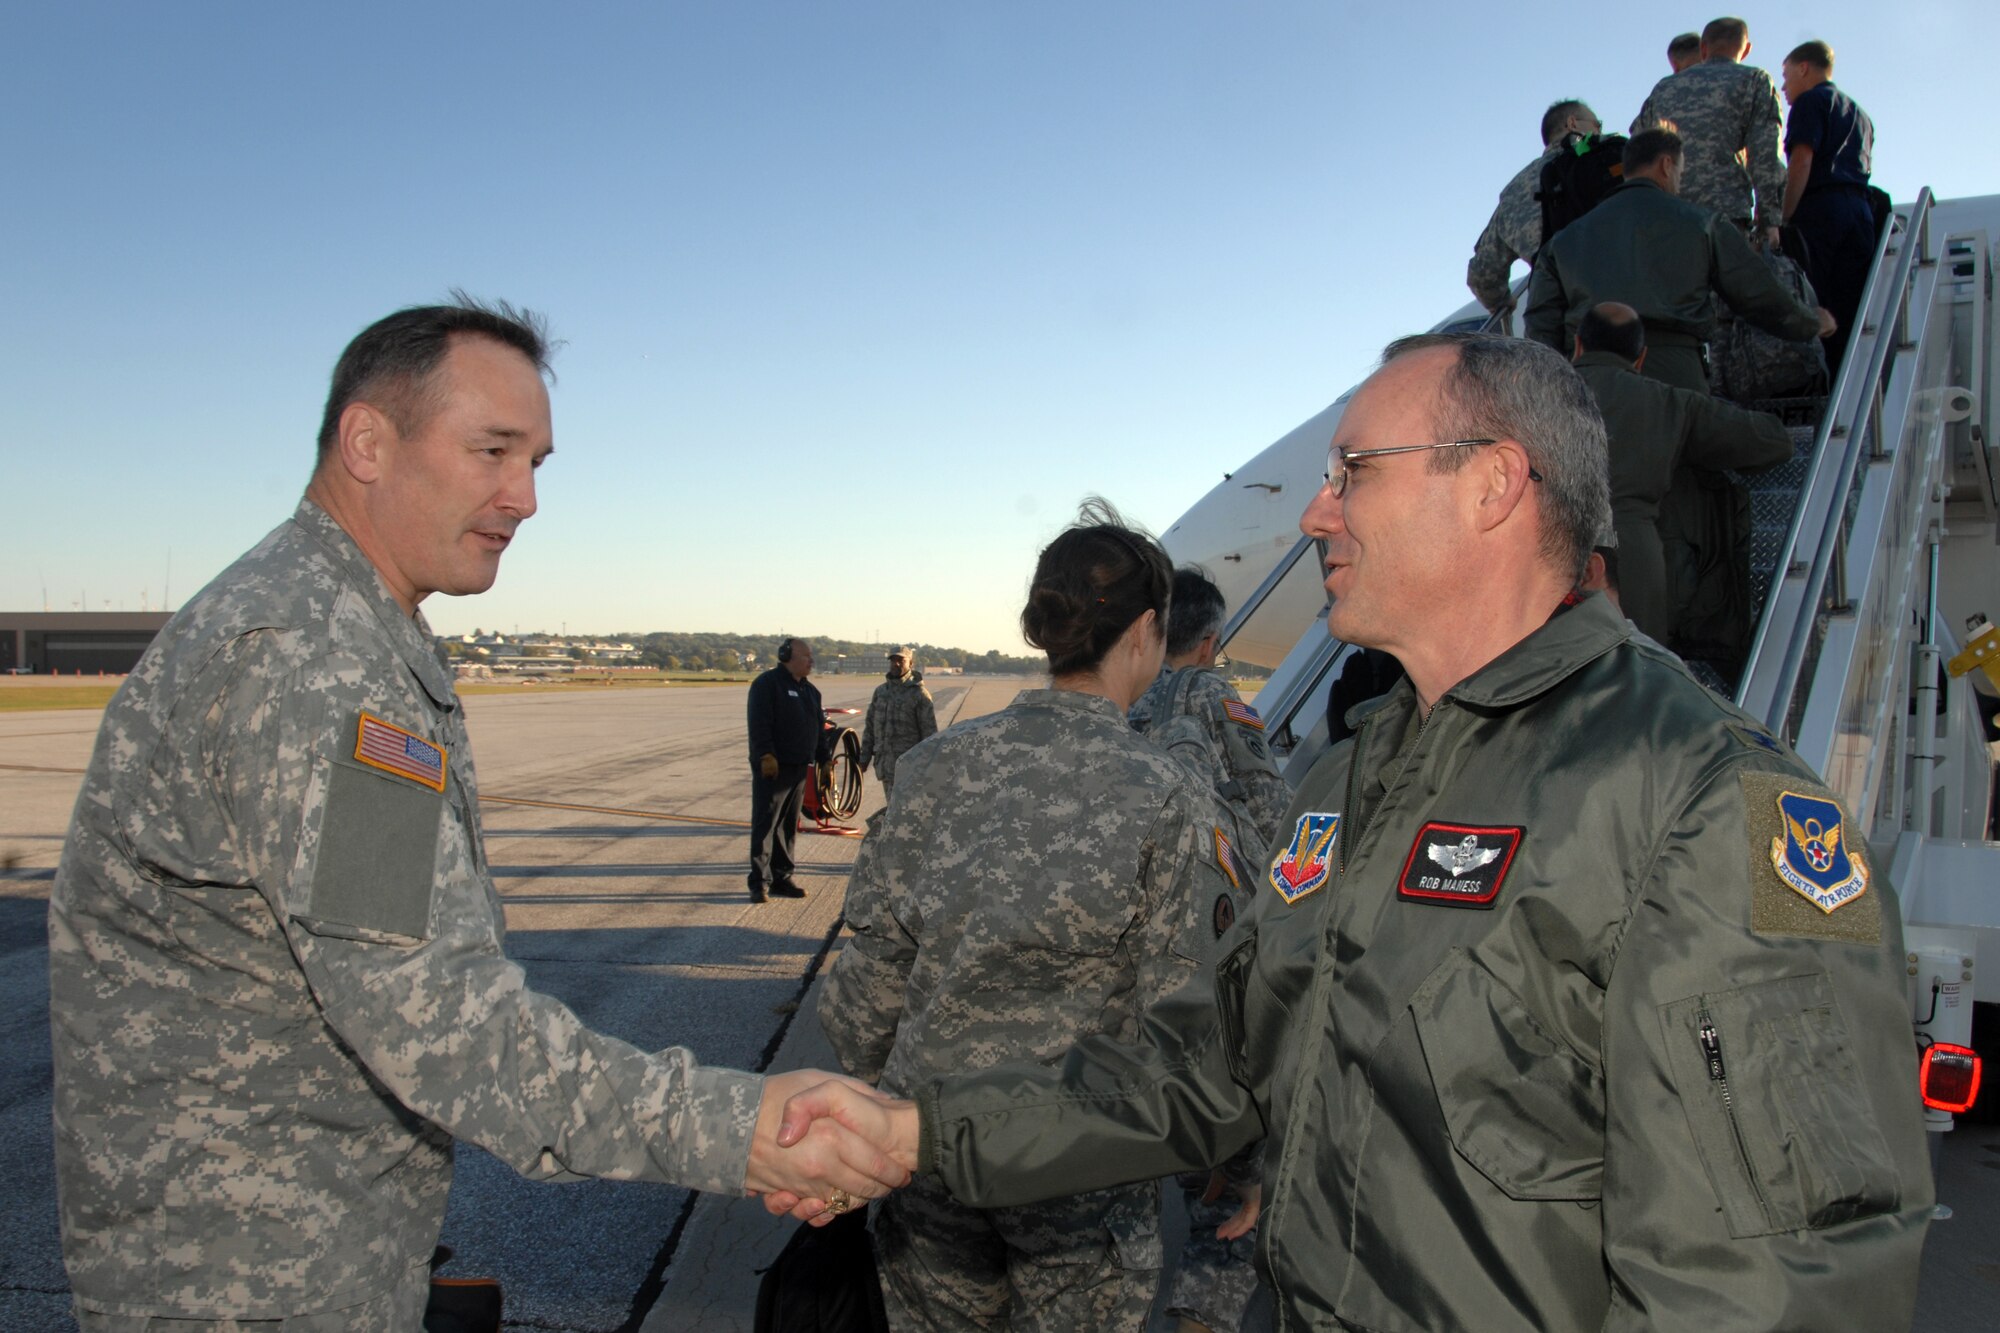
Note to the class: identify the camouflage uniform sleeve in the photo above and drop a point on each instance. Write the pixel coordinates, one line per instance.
(1767, 169)
(870, 727)
(1752, 291)
(1647, 117)
(1183, 885)
(926, 713)
(1487, 271)
(862, 1004)
(381, 885)
(1264, 793)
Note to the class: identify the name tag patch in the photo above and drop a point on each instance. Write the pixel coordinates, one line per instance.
(386, 746)
(1458, 865)
(1307, 859)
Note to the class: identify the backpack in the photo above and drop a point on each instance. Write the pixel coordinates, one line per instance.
(1747, 365)
(1584, 170)
(824, 1281)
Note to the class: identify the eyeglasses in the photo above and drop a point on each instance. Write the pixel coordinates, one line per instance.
(1338, 458)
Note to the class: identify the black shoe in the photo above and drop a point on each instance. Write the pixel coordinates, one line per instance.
(787, 889)
(757, 894)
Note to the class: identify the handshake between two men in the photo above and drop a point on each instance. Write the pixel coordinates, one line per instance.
(825, 1144)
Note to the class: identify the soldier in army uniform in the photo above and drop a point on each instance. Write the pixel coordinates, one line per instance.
(1196, 716)
(1728, 117)
(275, 965)
(900, 713)
(1515, 229)
(1683, 51)
(1667, 259)
(1044, 876)
(1564, 960)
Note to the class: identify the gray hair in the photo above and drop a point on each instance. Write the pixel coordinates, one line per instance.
(1504, 388)
(1197, 610)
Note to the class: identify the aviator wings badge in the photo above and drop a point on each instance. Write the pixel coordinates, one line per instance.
(1810, 855)
(1308, 859)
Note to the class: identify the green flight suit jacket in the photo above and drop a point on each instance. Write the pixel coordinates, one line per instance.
(1667, 259)
(1540, 1033)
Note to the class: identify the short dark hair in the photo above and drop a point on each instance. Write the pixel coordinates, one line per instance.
(1683, 46)
(1504, 388)
(1558, 115)
(1090, 584)
(390, 364)
(1725, 34)
(1646, 147)
(1619, 332)
(1815, 53)
(1198, 610)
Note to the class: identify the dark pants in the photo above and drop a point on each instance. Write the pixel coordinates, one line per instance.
(774, 822)
(1838, 228)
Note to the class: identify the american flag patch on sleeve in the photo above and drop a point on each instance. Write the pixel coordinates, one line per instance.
(1225, 856)
(388, 747)
(1239, 711)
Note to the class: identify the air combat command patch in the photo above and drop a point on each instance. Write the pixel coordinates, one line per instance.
(1307, 860)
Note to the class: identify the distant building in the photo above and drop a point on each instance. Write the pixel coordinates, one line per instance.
(48, 642)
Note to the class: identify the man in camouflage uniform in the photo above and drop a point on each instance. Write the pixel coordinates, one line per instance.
(1195, 715)
(899, 715)
(1045, 875)
(1683, 51)
(1728, 116)
(1515, 229)
(275, 966)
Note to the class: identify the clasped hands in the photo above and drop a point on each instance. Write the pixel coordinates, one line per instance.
(825, 1143)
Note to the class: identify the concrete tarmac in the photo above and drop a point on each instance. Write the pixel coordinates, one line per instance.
(616, 827)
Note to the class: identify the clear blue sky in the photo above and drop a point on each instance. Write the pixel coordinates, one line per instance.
(858, 298)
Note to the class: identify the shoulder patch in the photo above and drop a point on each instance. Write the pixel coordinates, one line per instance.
(1225, 856)
(1307, 859)
(1238, 711)
(386, 746)
(1225, 914)
(1809, 874)
(1458, 865)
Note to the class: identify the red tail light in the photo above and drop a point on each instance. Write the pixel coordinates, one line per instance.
(1949, 1077)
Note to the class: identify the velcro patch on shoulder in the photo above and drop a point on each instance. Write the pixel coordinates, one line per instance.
(1225, 914)
(1756, 736)
(1459, 865)
(1307, 860)
(1225, 856)
(386, 746)
(1238, 711)
(1809, 873)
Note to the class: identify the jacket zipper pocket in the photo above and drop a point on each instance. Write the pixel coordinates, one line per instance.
(1718, 1074)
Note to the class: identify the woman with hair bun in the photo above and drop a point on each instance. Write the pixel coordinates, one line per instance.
(1041, 876)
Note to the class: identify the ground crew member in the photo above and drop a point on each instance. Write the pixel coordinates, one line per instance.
(900, 713)
(1515, 229)
(275, 967)
(1564, 959)
(1728, 117)
(1667, 259)
(1654, 429)
(1683, 51)
(1830, 152)
(1195, 715)
(788, 736)
(1045, 875)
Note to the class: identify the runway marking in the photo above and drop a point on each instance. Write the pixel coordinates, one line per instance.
(612, 810)
(36, 768)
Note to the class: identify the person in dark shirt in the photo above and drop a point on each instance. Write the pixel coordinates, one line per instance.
(787, 737)
(1829, 150)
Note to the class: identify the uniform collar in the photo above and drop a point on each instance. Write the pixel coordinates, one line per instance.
(1070, 701)
(410, 633)
(1546, 658)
